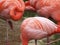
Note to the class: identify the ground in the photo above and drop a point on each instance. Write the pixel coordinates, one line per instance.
(12, 35)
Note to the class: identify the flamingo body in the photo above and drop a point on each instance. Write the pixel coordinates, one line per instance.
(46, 8)
(37, 28)
(13, 8)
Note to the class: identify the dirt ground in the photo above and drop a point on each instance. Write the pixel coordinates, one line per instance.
(13, 35)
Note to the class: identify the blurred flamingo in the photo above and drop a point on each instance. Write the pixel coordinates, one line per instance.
(11, 9)
(46, 8)
(35, 28)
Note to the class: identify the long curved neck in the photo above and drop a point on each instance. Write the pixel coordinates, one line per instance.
(58, 29)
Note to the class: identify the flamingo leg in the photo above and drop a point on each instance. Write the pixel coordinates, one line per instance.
(7, 41)
(48, 40)
(35, 42)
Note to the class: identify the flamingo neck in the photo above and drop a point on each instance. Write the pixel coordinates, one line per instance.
(58, 29)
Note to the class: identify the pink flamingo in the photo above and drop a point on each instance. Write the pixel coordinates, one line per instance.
(46, 8)
(11, 9)
(37, 28)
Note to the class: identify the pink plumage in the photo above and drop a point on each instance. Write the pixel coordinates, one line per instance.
(37, 28)
(45, 8)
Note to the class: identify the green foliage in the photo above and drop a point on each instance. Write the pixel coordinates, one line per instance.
(29, 14)
(56, 37)
(25, 0)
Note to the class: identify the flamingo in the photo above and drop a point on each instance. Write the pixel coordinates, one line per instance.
(35, 28)
(11, 9)
(45, 8)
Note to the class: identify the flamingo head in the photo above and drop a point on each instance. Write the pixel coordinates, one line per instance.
(17, 11)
